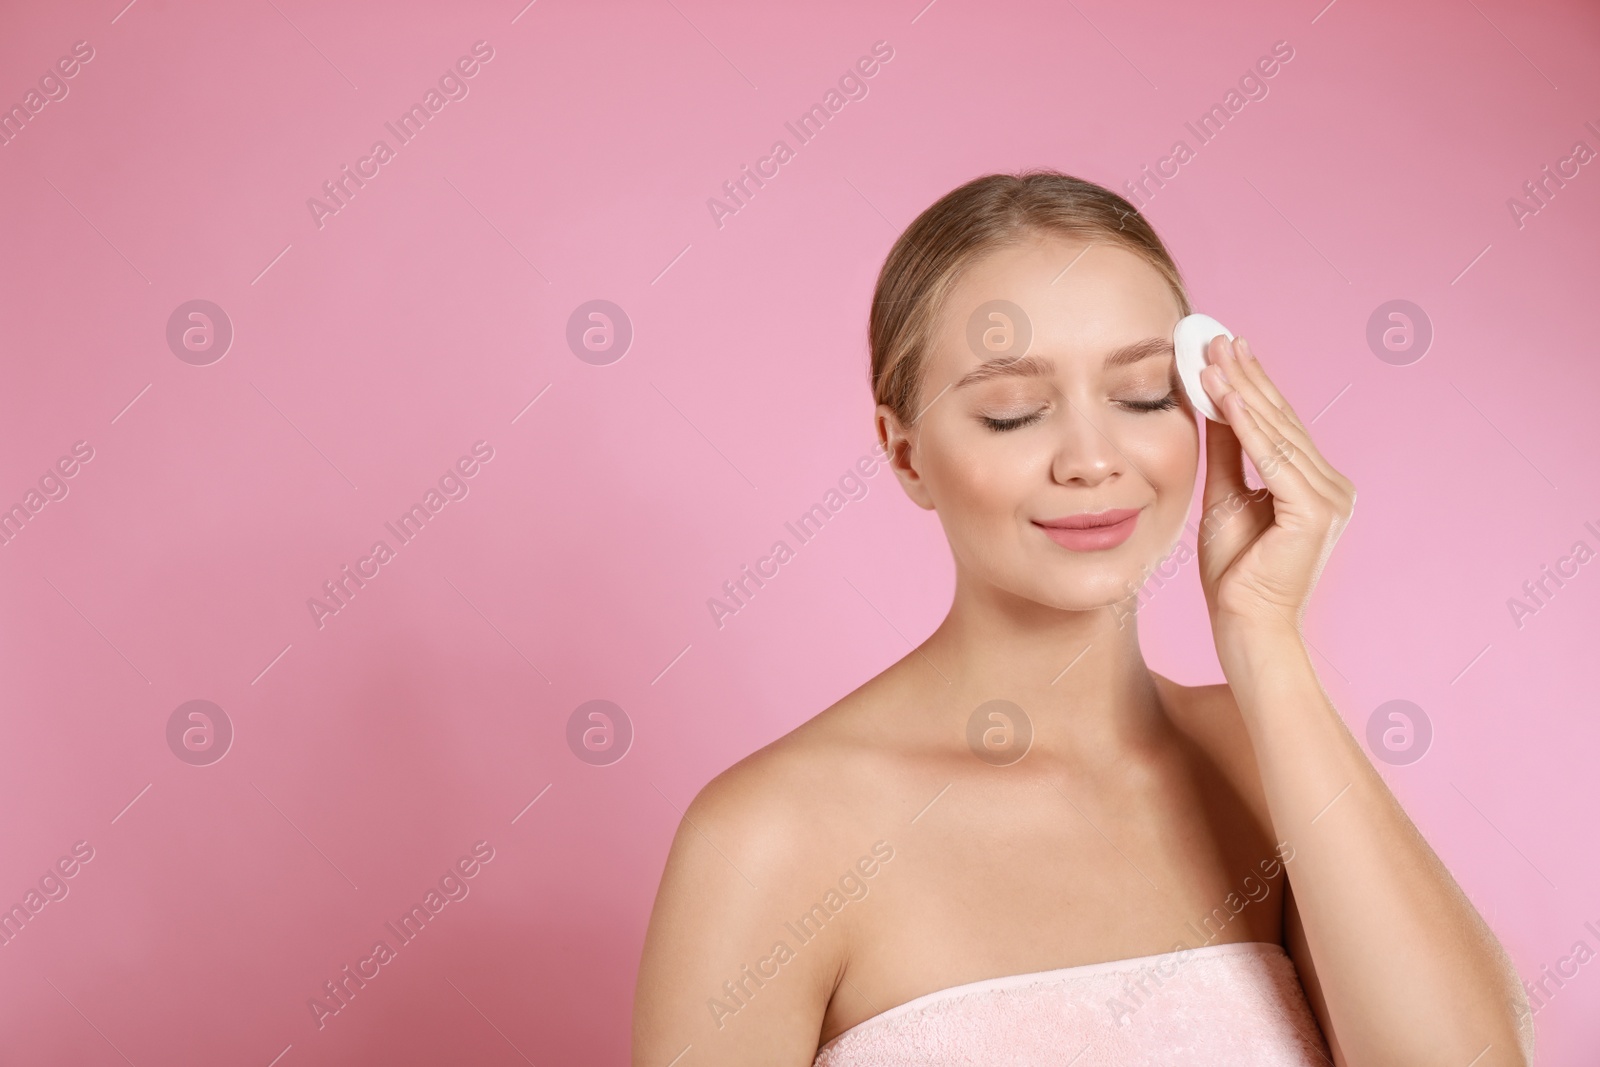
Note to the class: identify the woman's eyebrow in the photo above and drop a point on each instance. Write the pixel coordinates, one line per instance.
(1149, 348)
(1039, 367)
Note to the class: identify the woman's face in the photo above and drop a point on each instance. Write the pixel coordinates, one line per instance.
(1066, 402)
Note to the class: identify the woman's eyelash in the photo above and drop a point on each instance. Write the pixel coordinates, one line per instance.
(1001, 425)
(1168, 401)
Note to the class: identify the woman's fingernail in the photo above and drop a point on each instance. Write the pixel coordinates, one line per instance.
(1244, 347)
(1221, 375)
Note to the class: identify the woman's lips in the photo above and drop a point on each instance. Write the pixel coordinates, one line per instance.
(1091, 532)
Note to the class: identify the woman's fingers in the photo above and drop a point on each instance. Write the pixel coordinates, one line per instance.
(1224, 459)
(1340, 490)
(1277, 459)
(1247, 375)
(1247, 355)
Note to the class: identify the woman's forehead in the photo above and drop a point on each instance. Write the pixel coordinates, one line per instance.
(1058, 273)
(1073, 301)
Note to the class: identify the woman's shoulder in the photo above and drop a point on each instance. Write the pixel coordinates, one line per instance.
(810, 792)
(1200, 707)
(753, 850)
(804, 776)
(1209, 716)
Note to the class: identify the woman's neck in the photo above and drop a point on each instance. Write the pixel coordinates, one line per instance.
(1080, 676)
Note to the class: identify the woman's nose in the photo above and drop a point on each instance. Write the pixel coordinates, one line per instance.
(1084, 449)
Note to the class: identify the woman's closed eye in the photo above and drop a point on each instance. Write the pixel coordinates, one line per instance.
(1000, 424)
(1165, 403)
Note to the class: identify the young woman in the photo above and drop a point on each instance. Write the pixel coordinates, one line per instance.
(1019, 844)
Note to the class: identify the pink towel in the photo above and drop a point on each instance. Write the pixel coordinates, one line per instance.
(1227, 1005)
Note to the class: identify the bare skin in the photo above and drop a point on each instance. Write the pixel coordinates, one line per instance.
(1144, 815)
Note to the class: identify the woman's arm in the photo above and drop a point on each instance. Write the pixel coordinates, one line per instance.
(1405, 970)
(722, 980)
(1408, 971)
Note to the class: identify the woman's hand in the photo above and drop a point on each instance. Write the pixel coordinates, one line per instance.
(1405, 970)
(1261, 550)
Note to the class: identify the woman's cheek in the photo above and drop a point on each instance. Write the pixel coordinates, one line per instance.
(995, 473)
(1167, 454)
(963, 463)
(977, 485)
(1183, 456)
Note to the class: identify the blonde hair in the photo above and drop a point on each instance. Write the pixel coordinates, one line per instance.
(986, 213)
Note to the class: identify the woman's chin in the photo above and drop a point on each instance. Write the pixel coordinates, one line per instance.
(1114, 593)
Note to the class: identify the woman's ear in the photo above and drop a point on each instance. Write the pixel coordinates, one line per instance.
(899, 446)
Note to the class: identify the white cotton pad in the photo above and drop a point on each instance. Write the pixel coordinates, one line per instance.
(1189, 340)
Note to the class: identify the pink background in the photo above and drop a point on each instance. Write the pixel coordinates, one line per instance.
(371, 353)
